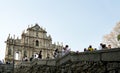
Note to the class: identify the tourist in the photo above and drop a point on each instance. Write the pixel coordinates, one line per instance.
(109, 46)
(66, 50)
(32, 58)
(40, 55)
(1, 62)
(7, 62)
(77, 52)
(104, 47)
(85, 49)
(95, 49)
(90, 48)
(100, 46)
(56, 53)
(35, 56)
(25, 58)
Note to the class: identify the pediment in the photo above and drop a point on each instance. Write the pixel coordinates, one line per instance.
(36, 28)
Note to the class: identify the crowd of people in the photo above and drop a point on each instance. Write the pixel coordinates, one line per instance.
(58, 53)
(3, 62)
(101, 47)
(64, 51)
(36, 56)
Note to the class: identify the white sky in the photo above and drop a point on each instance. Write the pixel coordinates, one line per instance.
(78, 23)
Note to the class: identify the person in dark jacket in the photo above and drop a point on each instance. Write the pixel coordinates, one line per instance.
(40, 55)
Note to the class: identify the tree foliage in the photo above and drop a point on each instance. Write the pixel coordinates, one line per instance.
(113, 37)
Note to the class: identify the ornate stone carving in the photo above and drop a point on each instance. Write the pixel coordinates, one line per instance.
(31, 42)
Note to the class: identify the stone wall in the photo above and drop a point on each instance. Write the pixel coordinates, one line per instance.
(101, 61)
(6, 68)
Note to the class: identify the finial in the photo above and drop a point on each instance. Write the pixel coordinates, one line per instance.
(17, 37)
(62, 43)
(36, 24)
(31, 25)
(57, 43)
(9, 36)
(14, 36)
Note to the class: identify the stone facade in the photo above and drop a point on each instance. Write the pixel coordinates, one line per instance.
(33, 40)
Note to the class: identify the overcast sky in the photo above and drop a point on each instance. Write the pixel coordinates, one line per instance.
(78, 23)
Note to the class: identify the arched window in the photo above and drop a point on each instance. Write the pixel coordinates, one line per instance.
(9, 51)
(17, 56)
(25, 53)
(37, 43)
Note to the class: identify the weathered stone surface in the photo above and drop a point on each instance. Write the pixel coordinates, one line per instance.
(6, 68)
(102, 61)
(111, 55)
(34, 40)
